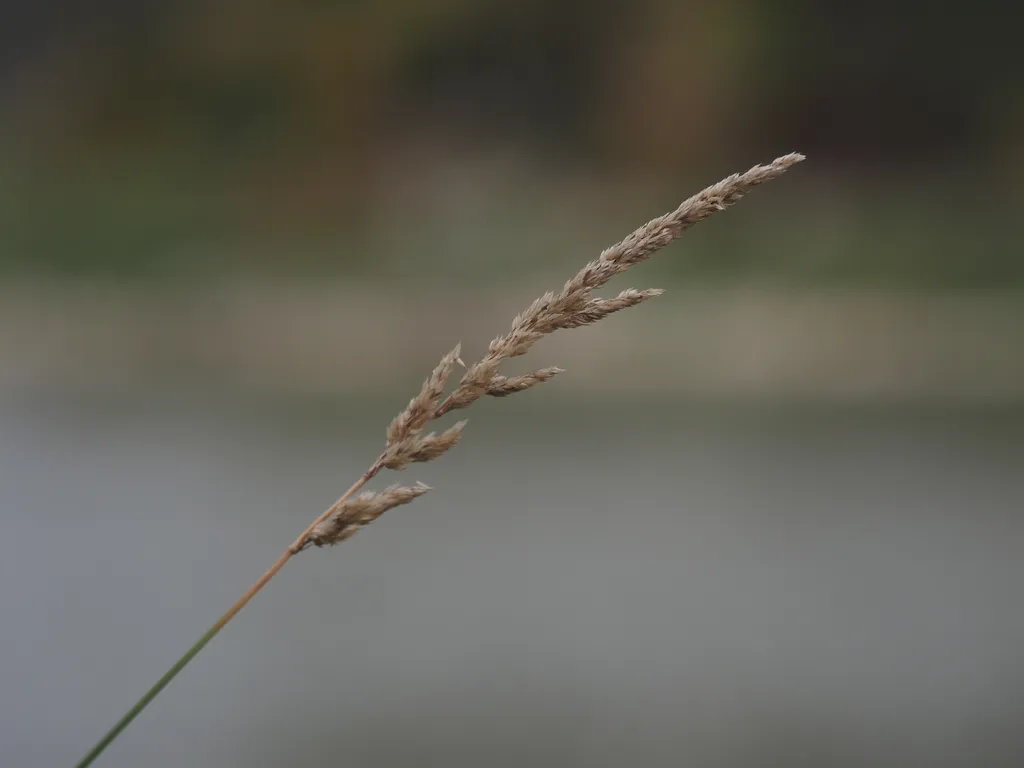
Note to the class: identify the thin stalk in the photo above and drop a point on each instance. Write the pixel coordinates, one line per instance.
(571, 307)
(294, 548)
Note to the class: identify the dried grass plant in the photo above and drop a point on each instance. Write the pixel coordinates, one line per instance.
(407, 442)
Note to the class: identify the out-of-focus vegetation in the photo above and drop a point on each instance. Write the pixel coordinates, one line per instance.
(174, 138)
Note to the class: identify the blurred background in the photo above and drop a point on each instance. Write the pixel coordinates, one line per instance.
(773, 517)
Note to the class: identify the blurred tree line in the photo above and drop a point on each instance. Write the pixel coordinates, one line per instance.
(172, 118)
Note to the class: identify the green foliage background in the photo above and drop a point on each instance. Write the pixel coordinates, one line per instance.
(170, 140)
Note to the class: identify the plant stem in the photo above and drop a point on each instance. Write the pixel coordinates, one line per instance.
(294, 548)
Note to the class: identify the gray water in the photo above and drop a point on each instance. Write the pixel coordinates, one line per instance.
(654, 588)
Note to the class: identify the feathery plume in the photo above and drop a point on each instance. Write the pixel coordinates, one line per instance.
(574, 305)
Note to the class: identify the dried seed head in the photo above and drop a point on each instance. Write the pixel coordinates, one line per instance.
(571, 307)
(659, 232)
(502, 386)
(421, 447)
(349, 517)
(574, 305)
(472, 386)
(421, 408)
(596, 309)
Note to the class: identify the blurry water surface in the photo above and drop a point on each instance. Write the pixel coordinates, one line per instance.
(653, 587)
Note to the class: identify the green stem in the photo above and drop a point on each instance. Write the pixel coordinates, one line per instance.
(297, 546)
(131, 714)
